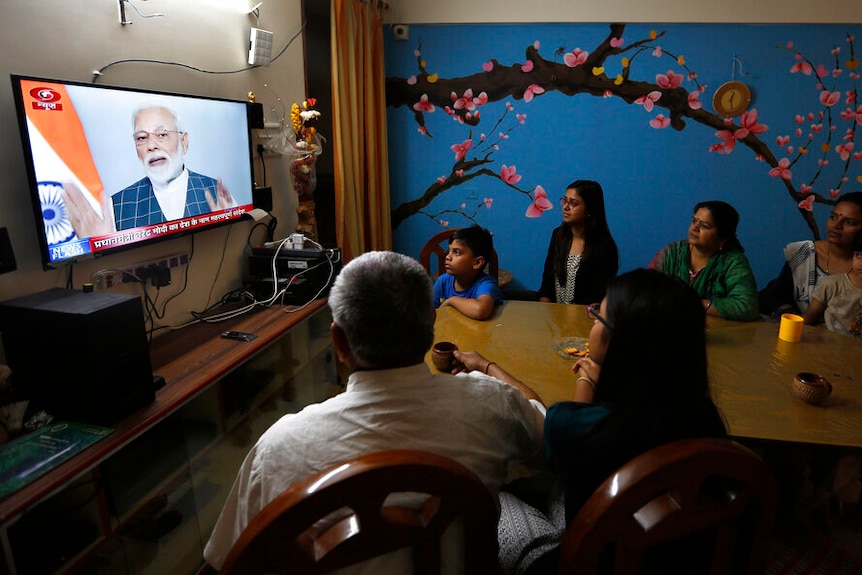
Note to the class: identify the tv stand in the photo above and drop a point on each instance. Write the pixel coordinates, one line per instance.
(145, 498)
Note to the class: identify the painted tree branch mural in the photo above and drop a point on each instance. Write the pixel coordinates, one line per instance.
(609, 71)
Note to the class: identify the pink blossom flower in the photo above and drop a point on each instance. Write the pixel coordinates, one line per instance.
(441, 179)
(481, 99)
(727, 144)
(649, 100)
(540, 203)
(657, 52)
(822, 71)
(482, 138)
(509, 176)
(834, 193)
(816, 128)
(798, 132)
(423, 105)
(836, 50)
(799, 119)
(466, 101)
(411, 80)
(463, 206)
(616, 42)
(527, 67)
(805, 189)
(851, 97)
(807, 203)
(836, 72)
(488, 202)
(694, 100)
(459, 173)
(422, 130)
(461, 149)
(782, 170)
(801, 66)
(576, 57)
(488, 66)
(844, 150)
(660, 122)
(607, 94)
(531, 90)
(504, 136)
(782, 140)
(748, 120)
(521, 117)
(859, 115)
(821, 162)
(509, 106)
(669, 80)
(829, 98)
(444, 223)
(857, 155)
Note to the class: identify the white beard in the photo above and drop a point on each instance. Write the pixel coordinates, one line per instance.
(164, 174)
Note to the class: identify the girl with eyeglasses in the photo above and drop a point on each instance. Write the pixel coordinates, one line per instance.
(644, 384)
(582, 256)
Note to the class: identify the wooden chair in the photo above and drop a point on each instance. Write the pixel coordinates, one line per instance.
(438, 246)
(287, 536)
(691, 506)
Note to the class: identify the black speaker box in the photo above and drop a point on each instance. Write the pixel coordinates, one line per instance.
(79, 356)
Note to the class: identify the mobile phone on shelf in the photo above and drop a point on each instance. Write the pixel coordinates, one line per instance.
(240, 335)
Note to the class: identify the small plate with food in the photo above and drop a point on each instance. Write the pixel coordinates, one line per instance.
(573, 347)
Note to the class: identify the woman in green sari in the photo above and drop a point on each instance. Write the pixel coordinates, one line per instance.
(712, 261)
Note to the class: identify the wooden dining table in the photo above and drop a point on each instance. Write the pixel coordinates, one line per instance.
(751, 370)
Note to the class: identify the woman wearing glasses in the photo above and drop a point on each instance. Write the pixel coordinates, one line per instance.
(582, 256)
(712, 261)
(629, 396)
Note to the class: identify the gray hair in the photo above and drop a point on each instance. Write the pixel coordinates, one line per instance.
(156, 105)
(383, 301)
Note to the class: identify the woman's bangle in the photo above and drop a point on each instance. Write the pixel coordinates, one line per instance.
(708, 305)
(488, 366)
(588, 380)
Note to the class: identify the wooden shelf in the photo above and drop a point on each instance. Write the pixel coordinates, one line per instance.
(132, 460)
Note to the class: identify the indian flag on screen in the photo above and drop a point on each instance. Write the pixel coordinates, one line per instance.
(57, 140)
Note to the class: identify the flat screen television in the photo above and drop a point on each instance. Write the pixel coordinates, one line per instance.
(112, 168)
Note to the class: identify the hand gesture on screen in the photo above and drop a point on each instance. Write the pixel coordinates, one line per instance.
(84, 219)
(223, 199)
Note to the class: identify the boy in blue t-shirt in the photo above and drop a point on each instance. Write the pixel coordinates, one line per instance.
(465, 286)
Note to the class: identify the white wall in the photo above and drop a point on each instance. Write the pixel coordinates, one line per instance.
(719, 11)
(70, 39)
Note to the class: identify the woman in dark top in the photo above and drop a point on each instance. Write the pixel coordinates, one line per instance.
(582, 256)
(644, 384)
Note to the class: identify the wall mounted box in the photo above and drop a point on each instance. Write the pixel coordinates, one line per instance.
(80, 356)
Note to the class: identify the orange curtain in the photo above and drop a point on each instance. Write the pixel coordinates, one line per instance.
(360, 151)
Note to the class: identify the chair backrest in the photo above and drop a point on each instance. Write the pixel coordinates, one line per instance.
(692, 506)
(438, 246)
(288, 536)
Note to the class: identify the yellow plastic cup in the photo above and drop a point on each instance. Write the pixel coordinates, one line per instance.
(790, 328)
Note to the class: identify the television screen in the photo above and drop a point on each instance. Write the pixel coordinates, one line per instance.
(111, 168)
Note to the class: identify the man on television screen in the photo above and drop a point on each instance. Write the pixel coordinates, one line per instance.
(169, 191)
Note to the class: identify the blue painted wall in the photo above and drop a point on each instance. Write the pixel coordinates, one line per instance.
(652, 177)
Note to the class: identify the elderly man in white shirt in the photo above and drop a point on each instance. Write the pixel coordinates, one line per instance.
(383, 325)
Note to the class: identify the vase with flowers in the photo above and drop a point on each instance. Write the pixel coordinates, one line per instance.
(304, 146)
